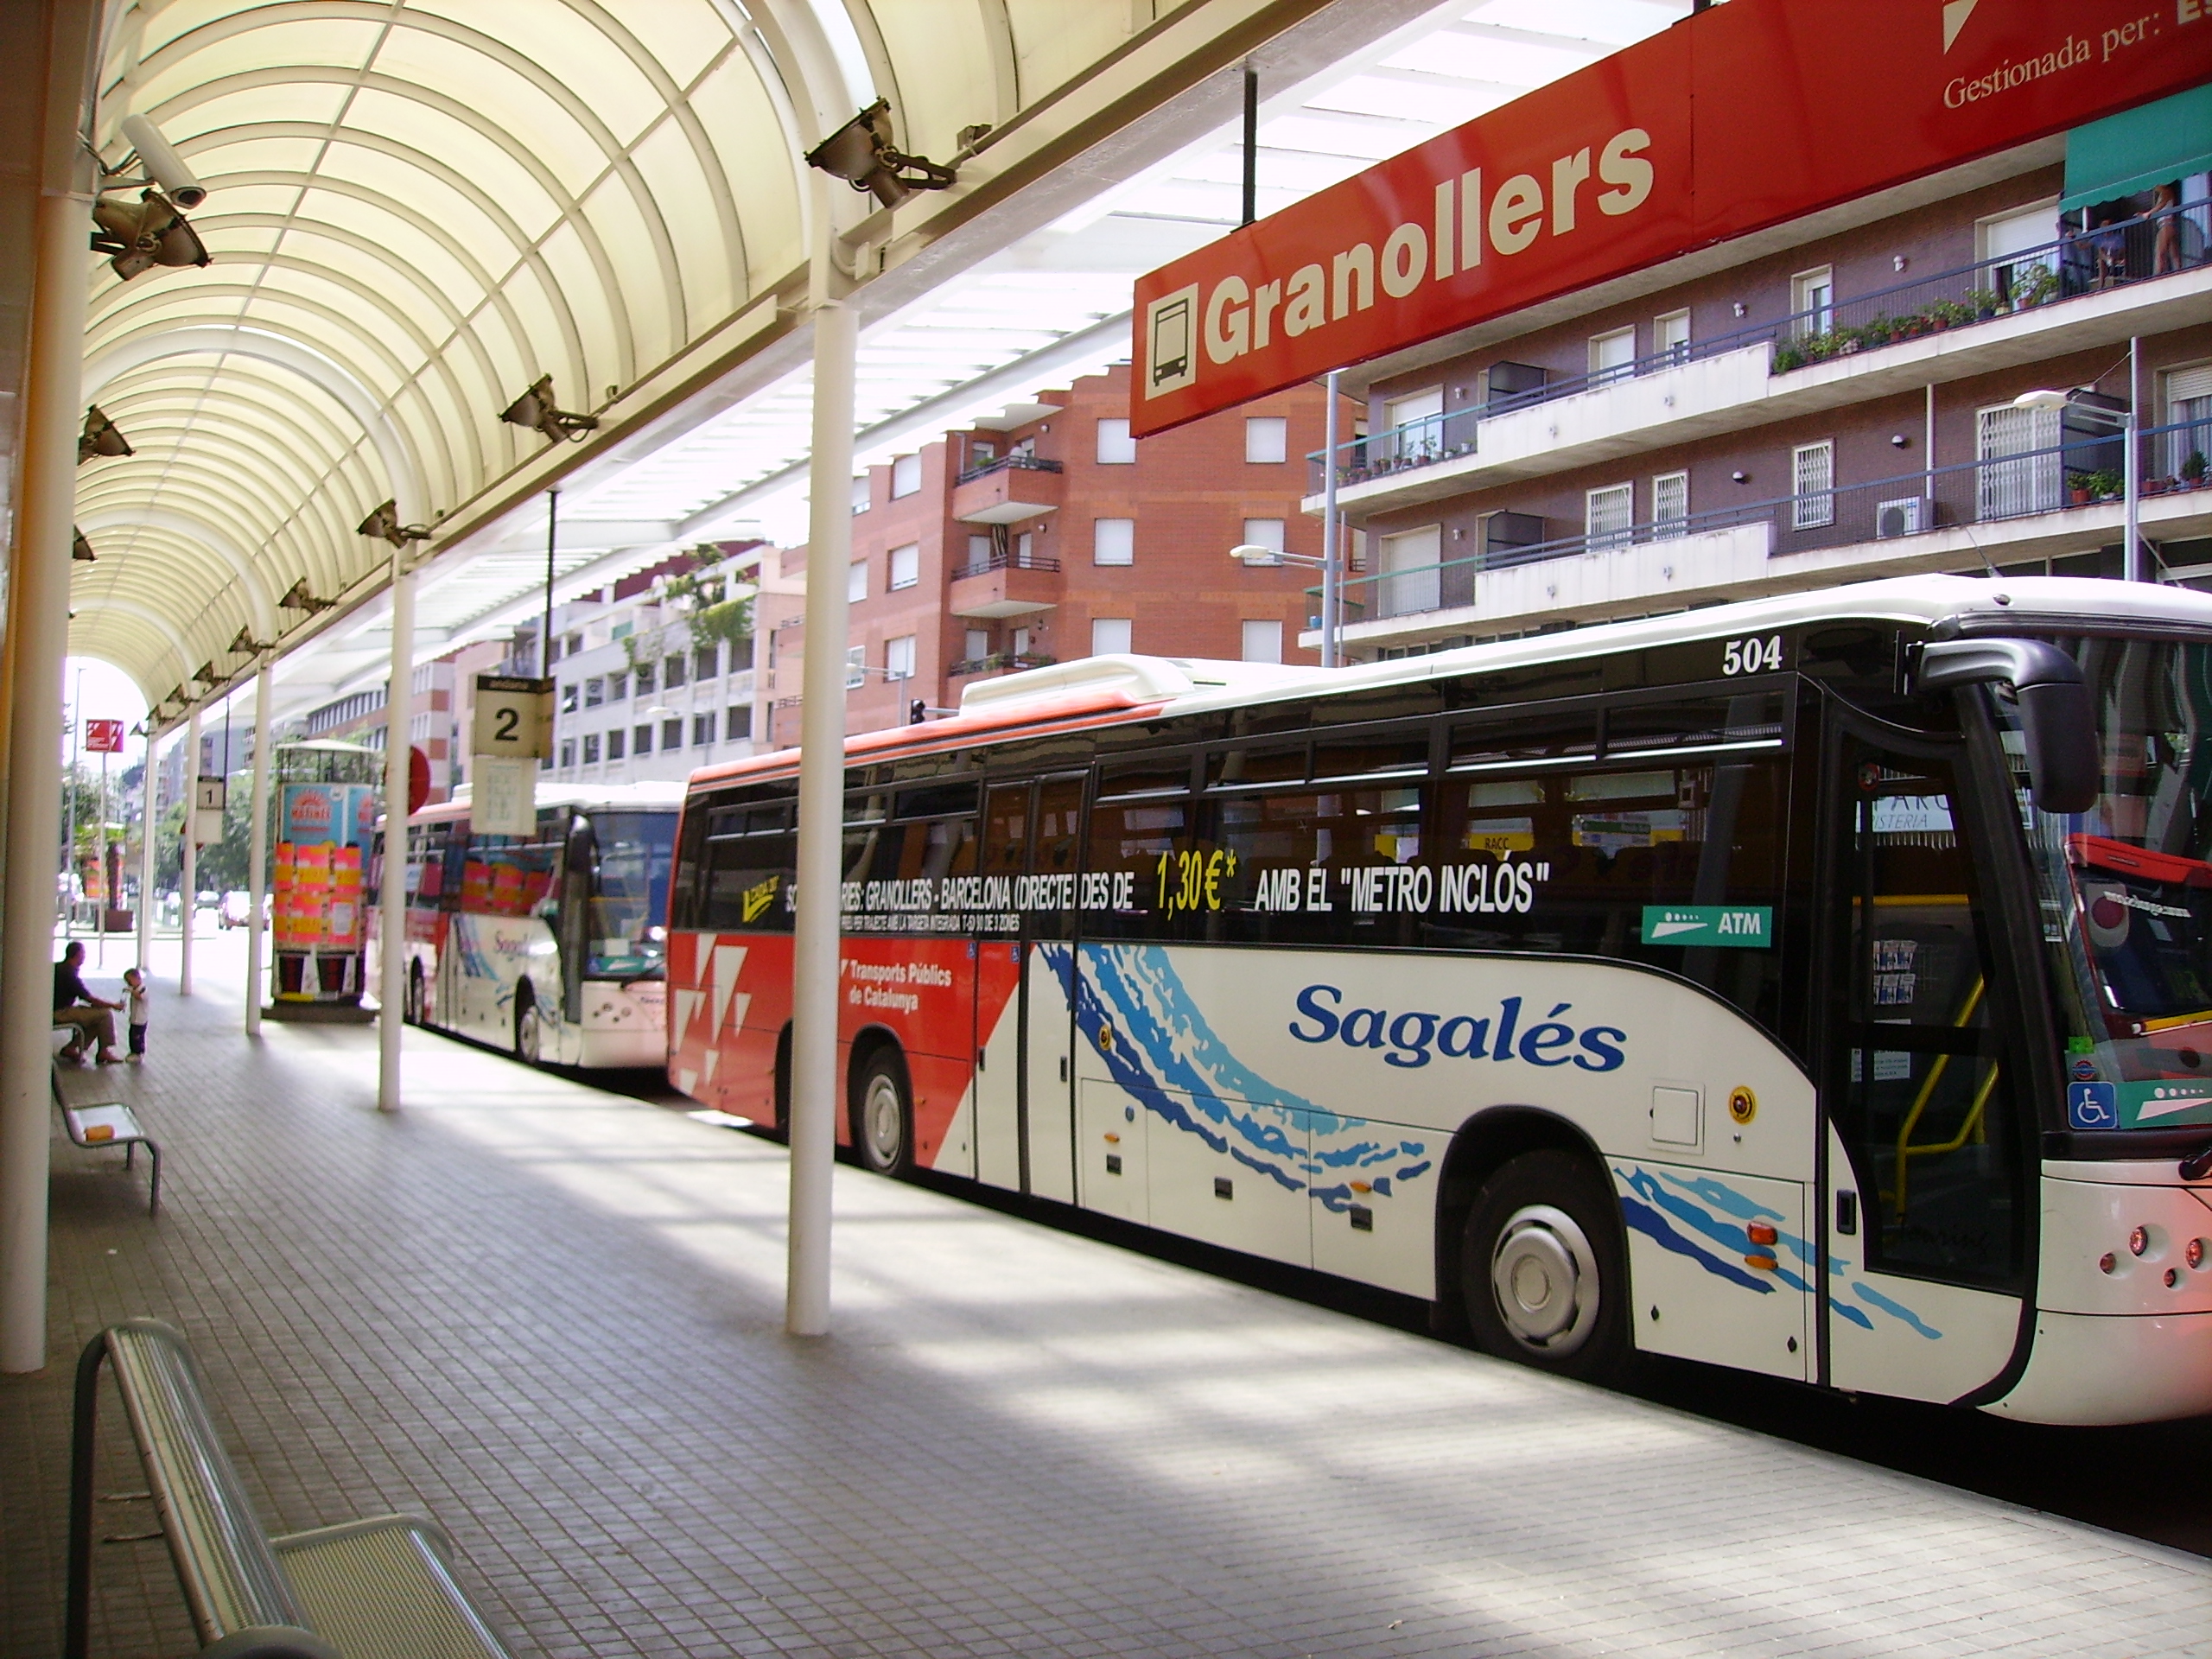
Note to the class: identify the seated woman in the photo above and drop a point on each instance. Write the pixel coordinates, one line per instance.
(75, 1005)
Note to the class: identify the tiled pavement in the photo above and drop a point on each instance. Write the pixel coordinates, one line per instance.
(550, 1317)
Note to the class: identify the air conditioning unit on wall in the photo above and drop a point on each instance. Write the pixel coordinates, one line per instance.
(1908, 516)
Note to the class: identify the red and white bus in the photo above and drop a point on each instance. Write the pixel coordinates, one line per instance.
(1820, 985)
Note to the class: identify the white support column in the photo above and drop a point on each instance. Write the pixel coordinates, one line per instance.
(38, 619)
(150, 818)
(188, 846)
(815, 1091)
(392, 899)
(256, 874)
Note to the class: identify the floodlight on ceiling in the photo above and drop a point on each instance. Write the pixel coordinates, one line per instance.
(247, 646)
(79, 548)
(384, 525)
(143, 234)
(537, 410)
(100, 437)
(862, 154)
(299, 599)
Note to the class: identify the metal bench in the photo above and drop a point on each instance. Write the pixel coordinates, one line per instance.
(381, 1588)
(110, 1123)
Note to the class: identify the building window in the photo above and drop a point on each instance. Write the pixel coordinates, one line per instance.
(591, 748)
(906, 476)
(644, 679)
(615, 741)
(979, 554)
(1609, 514)
(1113, 540)
(980, 454)
(1612, 356)
(860, 496)
(1021, 643)
(641, 739)
(671, 733)
(1812, 471)
(568, 698)
(737, 726)
(898, 657)
(568, 752)
(1670, 505)
(1265, 532)
(2188, 409)
(618, 688)
(1115, 447)
(1267, 438)
(594, 692)
(672, 670)
(1108, 634)
(856, 581)
(703, 730)
(1812, 301)
(576, 644)
(905, 566)
(855, 667)
(706, 660)
(2005, 487)
(978, 645)
(1263, 640)
(1670, 336)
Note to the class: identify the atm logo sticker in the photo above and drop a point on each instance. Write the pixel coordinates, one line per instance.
(1745, 927)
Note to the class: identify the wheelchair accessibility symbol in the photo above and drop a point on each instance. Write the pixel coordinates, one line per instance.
(2092, 1106)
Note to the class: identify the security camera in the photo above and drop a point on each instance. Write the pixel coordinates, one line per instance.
(162, 164)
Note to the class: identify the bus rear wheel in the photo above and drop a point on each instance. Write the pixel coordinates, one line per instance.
(1543, 1270)
(883, 1120)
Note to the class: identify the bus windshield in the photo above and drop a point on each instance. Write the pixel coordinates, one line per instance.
(629, 905)
(2126, 887)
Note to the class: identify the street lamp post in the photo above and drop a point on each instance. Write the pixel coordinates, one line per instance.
(1251, 555)
(2126, 423)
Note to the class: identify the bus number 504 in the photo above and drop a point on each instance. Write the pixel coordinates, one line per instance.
(1750, 656)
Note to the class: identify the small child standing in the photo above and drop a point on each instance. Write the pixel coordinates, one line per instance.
(133, 989)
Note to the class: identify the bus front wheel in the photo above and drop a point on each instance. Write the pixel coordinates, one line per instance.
(1543, 1269)
(883, 1125)
(530, 1028)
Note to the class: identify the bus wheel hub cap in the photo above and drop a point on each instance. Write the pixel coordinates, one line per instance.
(1544, 1276)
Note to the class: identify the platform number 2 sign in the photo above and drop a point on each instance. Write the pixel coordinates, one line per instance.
(1751, 655)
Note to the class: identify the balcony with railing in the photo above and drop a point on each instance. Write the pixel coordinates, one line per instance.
(1846, 351)
(2051, 500)
(999, 662)
(1008, 490)
(1007, 581)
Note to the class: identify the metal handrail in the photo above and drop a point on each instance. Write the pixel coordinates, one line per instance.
(1456, 434)
(1019, 463)
(1920, 484)
(1007, 559)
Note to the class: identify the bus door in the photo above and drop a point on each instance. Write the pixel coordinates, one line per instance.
(1924, 1194)
(1024, 1018)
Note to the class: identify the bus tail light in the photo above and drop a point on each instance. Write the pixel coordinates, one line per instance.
(2193, 1253)
(1759, 1233)
(2138, 1241)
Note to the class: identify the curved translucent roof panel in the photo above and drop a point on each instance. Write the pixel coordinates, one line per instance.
(417, 209)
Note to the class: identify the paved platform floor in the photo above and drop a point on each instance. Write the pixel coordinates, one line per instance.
(551, 1318)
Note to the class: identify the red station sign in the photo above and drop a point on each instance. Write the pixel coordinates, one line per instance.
(1745, 116)
(104, 737)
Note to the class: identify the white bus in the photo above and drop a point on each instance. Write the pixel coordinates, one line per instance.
(1820, 985)
(551, 946)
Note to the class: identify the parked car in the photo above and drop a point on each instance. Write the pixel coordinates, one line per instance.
(237, 908)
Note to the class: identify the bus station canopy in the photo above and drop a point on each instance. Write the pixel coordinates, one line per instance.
(417, 210)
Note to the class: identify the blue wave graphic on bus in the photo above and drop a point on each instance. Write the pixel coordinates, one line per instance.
(1655, 1203)
(1166, 1054)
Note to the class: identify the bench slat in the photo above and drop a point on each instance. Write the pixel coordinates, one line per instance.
(228, 1570)
(381, 1589)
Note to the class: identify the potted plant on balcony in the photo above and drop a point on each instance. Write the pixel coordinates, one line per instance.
(2104, 484)
(2192, 470)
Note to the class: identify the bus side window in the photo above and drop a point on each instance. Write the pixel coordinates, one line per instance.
(748, 884)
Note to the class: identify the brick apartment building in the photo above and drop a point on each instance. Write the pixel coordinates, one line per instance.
(1058, 536)
(1831, 401)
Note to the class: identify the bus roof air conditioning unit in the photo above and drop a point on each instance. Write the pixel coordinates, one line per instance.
(1905, 517)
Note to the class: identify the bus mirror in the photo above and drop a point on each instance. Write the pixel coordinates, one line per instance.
(2056, 719)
